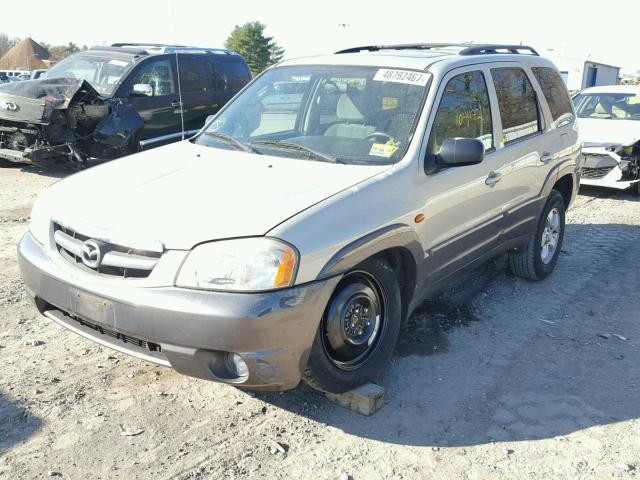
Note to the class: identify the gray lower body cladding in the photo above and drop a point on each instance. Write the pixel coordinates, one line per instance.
(189, 330)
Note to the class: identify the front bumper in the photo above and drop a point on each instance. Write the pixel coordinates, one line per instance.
(602, 168)
(189, 330)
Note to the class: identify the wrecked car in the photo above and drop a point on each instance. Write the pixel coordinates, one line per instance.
(609, 122)
(107, 102)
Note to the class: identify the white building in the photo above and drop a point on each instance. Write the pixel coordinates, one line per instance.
(580, 74)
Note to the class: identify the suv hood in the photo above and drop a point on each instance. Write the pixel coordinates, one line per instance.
(608, 131)
(184, 194)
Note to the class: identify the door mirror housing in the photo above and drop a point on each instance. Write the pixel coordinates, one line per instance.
(142, 89)
(457, 152)
(208, 120)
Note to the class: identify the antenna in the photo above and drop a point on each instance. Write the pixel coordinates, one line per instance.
(175, 41)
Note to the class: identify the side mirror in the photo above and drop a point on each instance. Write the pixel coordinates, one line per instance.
(208, 120)
(143, 89)
(457, 152)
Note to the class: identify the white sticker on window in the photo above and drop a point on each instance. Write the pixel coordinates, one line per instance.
(118, 63)
(401, 76)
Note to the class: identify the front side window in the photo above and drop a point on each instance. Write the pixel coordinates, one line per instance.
(346, 114)
(159, 75)
(556, 95)
(464, 111)
(517, 103)
(608, 105)
(103, 73)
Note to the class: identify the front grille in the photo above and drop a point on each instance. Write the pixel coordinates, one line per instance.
(595, 173)
(115, 260)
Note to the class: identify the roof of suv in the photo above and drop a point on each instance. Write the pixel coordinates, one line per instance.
(143, 49)
(421, 56)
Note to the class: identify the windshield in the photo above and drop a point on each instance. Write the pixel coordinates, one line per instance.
(103, 73)
(357, 115)
(614, 106)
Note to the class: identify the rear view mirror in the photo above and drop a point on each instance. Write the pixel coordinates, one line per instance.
(143, 89)
(457, 152)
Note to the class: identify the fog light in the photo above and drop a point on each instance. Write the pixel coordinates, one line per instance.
(237, 365)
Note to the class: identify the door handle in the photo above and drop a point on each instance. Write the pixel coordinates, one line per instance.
(176, 104)
(546, 157)
(493, 178)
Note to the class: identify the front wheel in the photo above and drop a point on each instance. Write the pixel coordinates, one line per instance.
(538, 259)
(358, 331)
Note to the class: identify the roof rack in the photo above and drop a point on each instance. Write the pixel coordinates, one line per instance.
(490, 49)
(166, 48)
(403, 46)
(465, 48)
(131, 50)
(154, 45)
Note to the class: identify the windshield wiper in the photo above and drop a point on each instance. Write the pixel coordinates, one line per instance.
(294, 146)
(233, 141)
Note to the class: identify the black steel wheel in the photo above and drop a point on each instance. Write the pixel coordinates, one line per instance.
(359, 329)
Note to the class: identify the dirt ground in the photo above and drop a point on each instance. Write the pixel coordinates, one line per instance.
(501, 378)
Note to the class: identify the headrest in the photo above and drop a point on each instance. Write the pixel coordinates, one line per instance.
(346, 109)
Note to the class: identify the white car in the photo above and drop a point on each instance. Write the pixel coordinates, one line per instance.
(609, 122)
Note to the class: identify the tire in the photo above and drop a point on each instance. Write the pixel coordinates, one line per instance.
(358, 331)
(635, 189)
(535, 261)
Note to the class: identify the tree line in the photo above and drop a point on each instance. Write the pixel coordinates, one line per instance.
(249, 40)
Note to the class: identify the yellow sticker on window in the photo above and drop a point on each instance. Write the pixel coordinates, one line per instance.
(389, 103)
(383, 149)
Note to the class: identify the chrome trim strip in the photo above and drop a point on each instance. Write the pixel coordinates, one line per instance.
(68, 243)
(169, 136)
(110, 259)
(129, 260)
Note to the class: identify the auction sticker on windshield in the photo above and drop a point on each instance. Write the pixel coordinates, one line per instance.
(401, 76)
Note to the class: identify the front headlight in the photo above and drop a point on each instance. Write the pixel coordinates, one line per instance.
(241, 265)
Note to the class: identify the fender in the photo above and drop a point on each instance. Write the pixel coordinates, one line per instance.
(568, 167)
(391, 236)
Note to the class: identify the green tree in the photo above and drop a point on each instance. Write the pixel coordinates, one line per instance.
(257, 49)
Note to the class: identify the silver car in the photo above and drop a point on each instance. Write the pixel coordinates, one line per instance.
(292, 237)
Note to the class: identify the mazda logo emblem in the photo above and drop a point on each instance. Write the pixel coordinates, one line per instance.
(91, 254)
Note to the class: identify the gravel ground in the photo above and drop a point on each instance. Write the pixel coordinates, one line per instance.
(501, 379)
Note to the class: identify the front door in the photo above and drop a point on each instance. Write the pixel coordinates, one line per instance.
(463, 205)
(161, 112)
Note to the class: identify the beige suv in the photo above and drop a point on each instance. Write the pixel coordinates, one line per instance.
(297, 231)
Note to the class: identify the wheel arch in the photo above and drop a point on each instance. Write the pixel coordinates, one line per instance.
(398, 244)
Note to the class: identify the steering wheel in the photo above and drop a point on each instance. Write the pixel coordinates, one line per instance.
(377, 135)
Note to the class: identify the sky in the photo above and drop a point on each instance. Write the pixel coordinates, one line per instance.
(564, 28)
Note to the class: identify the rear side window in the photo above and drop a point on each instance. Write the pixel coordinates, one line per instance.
(556, 95)
(517, 103)
(196, 75)
(464, 111)
(235, 74)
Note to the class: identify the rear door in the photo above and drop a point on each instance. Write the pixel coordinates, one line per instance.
(523, 146)
(463, 205)
(161, 111)
(559, 111)
(201, 87)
